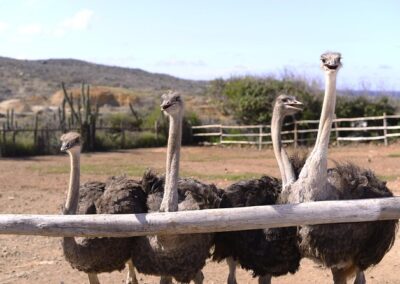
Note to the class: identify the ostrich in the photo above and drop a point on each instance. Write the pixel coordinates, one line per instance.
(117, 196)
(268, 252)
(175, 256)
(348, 248)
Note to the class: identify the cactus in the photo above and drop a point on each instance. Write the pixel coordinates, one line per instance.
(85, 115)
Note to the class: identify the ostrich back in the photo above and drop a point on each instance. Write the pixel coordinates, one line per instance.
(118, 195)
(270, 251)
(186, 254)
(359, 244)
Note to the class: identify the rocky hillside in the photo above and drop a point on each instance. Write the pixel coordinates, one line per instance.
(41, 78)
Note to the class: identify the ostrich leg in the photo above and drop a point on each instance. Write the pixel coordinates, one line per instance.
(266, 279)
(360, 278)
(93, 278)
(165, 280)
(339, 276)
(131, 279)
(232, 270)
(199, 278)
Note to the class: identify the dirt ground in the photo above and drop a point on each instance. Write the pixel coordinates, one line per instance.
(38, 185)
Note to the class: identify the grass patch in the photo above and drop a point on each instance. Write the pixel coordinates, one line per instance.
(394, 155)
(387, 177)
(93, 169)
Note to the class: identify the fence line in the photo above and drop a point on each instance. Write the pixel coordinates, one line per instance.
(202, 221)
(222, 134)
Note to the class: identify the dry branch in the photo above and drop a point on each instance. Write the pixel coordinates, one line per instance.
(202, 221)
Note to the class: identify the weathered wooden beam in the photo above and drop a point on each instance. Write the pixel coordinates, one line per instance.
(203, 220)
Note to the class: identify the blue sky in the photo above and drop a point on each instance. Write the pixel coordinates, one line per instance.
(210, 38)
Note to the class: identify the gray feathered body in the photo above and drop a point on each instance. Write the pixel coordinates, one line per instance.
(186, 254)
(118, 195)
(359, 245)
(269, 251)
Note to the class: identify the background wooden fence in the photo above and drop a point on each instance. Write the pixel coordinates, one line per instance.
(302, 132)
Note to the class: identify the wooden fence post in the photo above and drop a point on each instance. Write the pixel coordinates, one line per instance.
(220, 134)
(260, 138)
(336, 131)
(295, 134)
(122, 135)
(385, 128)
(156, 129)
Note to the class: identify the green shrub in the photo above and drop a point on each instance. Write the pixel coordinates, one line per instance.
(148, 139)
(190, 119)
(20, 148)
(119, 119)
(250, 99)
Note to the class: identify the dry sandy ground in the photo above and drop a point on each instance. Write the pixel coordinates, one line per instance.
(38, 185)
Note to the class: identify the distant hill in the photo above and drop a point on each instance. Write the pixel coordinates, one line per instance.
(27, 78)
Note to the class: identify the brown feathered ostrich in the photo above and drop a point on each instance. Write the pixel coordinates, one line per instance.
(175, 256)
(268, 252)
(117, 196)
(348, 248)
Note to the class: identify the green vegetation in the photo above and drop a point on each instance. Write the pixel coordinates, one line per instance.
(247, 100)
(92, 169)
(387, 177)
(250, 99)
(394, 155)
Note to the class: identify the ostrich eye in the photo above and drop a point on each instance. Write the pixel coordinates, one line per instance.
(285, 100)
(323, 60)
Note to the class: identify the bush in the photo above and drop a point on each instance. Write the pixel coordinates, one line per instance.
(250, 99)
(19, 149)
(126, 120)
(148, 139)
(190, 119)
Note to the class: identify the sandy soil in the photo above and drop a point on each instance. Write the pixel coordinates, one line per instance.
(38, 185)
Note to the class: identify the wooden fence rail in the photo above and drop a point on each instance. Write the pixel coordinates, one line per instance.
(255, 134)
(202, 221)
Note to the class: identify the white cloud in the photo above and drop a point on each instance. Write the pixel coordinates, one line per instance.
(79, 21)
(58, 32)
(3, 26)
(32, 29)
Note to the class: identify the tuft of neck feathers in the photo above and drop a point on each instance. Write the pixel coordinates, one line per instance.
(170, 198)
(71, 204)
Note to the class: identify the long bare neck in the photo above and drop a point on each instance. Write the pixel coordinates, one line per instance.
(170, 197)
(327, 114)
(285, 167)
(71, 204)
(312, 182)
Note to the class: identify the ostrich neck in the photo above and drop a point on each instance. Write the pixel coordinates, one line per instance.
(71, 204)
(327, 114)
(285, 167)
(72, 250)
(312, 183)
(172, 167)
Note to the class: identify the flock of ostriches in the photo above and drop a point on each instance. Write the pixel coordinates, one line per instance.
(348, 249)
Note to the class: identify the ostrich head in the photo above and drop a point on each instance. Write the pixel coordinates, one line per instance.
(172, 103)
(287, 105)
(330, 61)
(71, 141)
